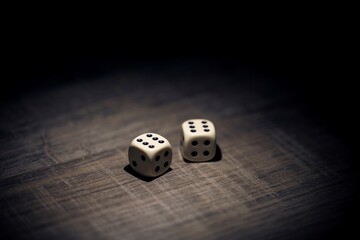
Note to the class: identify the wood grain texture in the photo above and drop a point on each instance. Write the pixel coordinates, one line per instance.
(63, 150)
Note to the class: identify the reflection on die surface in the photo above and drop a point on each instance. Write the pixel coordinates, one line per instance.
(198, 140)
(150, 154)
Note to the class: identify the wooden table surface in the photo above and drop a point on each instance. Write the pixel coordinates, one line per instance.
(281, 174)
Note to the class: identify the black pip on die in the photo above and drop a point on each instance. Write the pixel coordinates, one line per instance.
(150, 154)
(198, 140)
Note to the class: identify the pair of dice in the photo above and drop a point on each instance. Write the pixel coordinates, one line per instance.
(151, 154)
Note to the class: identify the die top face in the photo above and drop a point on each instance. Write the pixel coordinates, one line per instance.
(198, 128)
(151, 143)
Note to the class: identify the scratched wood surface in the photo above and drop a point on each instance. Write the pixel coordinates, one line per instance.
(63, 158)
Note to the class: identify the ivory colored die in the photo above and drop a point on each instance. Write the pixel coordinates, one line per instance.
(198, 140)
(150, 154)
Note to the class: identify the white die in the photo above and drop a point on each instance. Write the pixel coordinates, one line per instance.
(198, 140)
(150, 154)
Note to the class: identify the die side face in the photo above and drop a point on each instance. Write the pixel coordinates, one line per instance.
(198, 141)
(150, 154)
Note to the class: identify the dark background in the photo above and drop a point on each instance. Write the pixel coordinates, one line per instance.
(309, 61)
